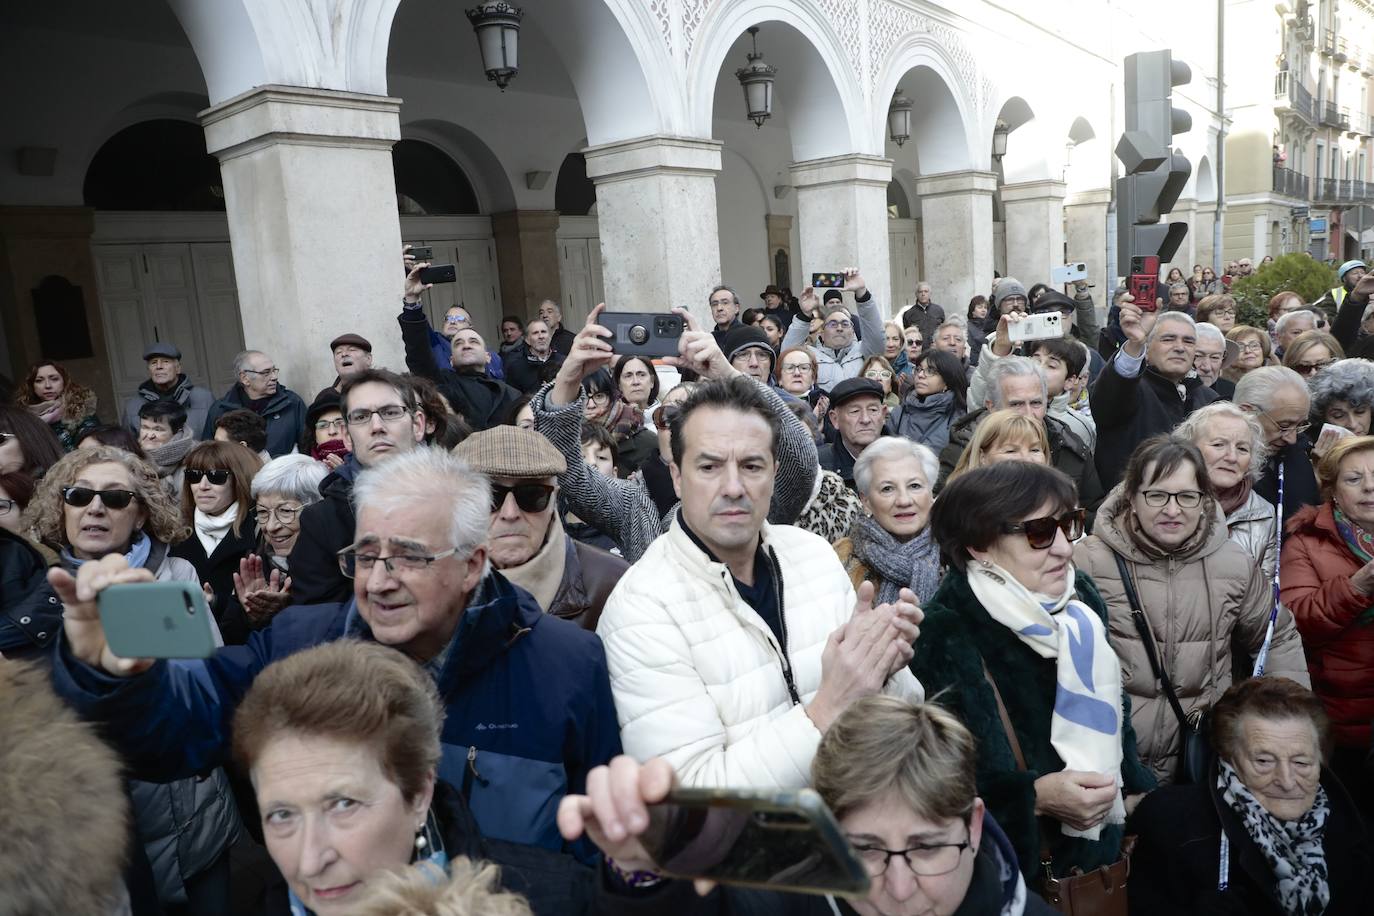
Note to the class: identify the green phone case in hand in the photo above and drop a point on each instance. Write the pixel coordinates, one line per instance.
(157, 620)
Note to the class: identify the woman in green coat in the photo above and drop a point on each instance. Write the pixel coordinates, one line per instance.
(1012, 612)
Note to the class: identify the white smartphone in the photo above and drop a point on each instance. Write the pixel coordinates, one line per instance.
(1042, 326)
(1068, 273)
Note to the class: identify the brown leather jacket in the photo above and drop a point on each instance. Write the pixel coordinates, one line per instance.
(589, 575)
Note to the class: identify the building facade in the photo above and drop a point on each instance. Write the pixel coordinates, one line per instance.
(1297, 164)
(244, 172)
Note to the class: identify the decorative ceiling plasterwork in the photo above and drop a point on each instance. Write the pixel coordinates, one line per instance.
(888, 23)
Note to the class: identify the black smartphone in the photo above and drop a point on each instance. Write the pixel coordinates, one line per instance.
(648, 334)
(439, 273)
(422, 252)
(780, 840)
(827, 281)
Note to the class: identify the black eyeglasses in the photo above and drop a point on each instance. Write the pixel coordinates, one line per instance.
(110, 499)
(926, 860)
(530, 497)
(390, 413)
(1040, 532)
(219, 477)
(1186, 499)
(7, 506)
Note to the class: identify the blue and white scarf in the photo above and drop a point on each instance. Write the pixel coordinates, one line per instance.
(137, 554)
(1086, 726)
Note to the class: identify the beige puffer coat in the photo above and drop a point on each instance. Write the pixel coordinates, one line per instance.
(1194, 600)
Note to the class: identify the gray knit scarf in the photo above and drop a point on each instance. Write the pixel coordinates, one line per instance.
(913, 564)
(1293, 849)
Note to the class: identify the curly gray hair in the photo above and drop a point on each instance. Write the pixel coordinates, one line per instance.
(1349, 380)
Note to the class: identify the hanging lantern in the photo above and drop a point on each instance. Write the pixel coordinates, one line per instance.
(497, 25)
(757, 80)
(999, 139)
(899, 118)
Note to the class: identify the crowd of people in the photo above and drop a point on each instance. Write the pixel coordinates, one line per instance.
(1020, 610)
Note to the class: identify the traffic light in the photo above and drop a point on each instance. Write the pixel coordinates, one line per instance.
(1155, 172)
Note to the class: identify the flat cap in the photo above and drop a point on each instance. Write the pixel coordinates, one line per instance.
(163, 349)
(353, 340)
(852, 388)
(509, 451)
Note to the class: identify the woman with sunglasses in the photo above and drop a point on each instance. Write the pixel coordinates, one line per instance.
(1312, 353)
(1201, 593)
(96, 502)
(1015, 635)
(216, 502)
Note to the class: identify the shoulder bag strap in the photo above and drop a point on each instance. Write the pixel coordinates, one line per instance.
(1006, 720)
(1147, 639)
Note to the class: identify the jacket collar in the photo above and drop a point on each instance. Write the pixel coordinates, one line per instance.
(497, 617)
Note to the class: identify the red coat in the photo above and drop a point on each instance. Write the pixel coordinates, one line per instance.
(1314, 583)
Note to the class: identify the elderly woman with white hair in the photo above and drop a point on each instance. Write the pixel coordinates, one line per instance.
(890, 544)
(1233, 448)
(281, 490)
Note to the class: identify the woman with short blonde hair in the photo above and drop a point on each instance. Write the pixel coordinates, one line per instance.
(1004, 435)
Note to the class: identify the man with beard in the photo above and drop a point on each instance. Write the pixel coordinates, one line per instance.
(166, 380)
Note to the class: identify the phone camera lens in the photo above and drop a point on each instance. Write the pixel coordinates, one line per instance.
(638, 334)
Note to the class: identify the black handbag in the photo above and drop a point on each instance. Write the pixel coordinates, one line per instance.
(1195, 752)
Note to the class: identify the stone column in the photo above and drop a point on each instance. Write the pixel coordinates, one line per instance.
(842, 218)
(1035, 229)
(956, 234)
(1085, 232)
(527, 258)
(313, 223)
(656, 208)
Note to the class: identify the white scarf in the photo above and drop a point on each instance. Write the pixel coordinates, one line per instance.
(1086, 727)
(211, 529)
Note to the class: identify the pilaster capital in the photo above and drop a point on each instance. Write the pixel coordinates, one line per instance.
(1042, 189)
(1093, 197)
(852, 168)
(654, 155)
(270, 115)
(949, 184)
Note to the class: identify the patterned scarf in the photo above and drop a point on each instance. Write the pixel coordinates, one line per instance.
(1361, 544)
(1293, 849)
(1085, 728)
(913, 564)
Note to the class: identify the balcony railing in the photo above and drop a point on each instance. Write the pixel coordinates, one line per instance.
(1290, 183)
(1340, 191)
(1330, 114)
(1343, 119)
(1324, 189)
(1328, 46)
(1291, 94)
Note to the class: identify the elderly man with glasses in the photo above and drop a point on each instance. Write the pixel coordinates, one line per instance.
(528, 706)
(839, 355)
(258, 389)
(1280, 398)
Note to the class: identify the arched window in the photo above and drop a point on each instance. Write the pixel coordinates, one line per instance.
(574, 195)
(155, 165)
(429, 181)
(898, 207)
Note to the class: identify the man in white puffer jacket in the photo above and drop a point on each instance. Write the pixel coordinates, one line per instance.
(733, 644)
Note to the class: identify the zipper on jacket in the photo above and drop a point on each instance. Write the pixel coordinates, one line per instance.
(470, 773)
(782, 625)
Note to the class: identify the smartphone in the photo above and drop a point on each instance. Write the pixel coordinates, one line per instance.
(157, 620)
(440, 273)
(422, 252)
(1068, 273)
(1143, 282)
(780, 840)
(648, 334)
(827, 281)
(1039, 326)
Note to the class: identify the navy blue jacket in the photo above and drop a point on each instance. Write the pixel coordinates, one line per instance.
(284, 413)
(528, 701)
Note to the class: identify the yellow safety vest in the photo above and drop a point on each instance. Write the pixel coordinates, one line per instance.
(1338, 295)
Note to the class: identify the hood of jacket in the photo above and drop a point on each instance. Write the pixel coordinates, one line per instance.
(1115, 518)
